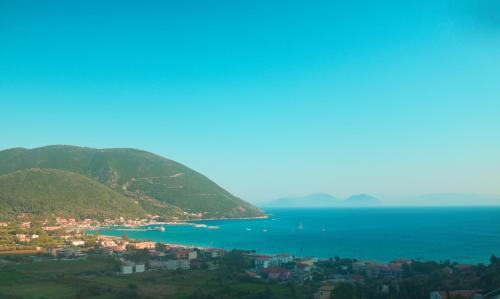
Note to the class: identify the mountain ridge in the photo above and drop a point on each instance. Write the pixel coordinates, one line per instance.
(310, 200)
(318, 200)
(159, 184)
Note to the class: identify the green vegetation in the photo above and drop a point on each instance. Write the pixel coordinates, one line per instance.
(419, 279)
(50, 191)
(51, 279)
(144, 181)
(95, 277)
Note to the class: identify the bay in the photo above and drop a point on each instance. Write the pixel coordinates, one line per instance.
(461, 234)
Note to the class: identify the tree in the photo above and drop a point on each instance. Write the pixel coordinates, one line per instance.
(268, 294)
(200, 294)
(344, 291)
(493, 260)
(293, 291)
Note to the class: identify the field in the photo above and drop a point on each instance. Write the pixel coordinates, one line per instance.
(96, 278)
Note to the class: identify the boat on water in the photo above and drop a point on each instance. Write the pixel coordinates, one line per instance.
(160, 228)
(264, 230)
(200, 225)
(248, 229)
(213, 227)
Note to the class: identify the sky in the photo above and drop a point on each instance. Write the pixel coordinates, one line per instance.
(267, 98)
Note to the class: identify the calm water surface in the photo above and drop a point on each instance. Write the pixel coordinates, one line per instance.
(467, 235)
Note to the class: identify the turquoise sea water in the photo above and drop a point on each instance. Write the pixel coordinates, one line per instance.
(467, 235)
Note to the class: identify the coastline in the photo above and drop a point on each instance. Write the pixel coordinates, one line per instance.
(183, 222)
(325, 234)
(273, 254)
(239, 218)
(165, 243)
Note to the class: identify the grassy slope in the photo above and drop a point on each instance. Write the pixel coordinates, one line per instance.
(47, 191)
(159, 183)
(65, 279)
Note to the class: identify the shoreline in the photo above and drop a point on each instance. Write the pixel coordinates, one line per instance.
(183, 222)
(273, 254)
(239, 218)
(165, 243)
(263, 238)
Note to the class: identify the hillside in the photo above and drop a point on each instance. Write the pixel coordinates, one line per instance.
(47, 191)
(159, 185)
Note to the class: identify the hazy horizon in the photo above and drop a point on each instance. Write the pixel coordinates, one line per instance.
(337, 97)
(426, 199)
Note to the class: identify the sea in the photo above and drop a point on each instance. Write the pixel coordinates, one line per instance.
(459, 234)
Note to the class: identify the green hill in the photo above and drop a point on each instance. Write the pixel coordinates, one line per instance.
(159, 185)
(50, 191)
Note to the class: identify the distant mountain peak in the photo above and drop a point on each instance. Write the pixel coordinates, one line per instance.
(324, 200)
(310, 200)
(362, 200)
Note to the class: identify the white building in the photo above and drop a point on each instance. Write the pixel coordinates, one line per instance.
(139, 268)
(178, 264)
(263, 262)
(127, 268)
(214, 252)
(192, 255)
(78, 243)
(281, 259)
(186, 254)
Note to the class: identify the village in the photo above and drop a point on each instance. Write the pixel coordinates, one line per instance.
(68, 239)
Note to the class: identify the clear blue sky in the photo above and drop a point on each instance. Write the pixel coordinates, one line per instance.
(268, 98)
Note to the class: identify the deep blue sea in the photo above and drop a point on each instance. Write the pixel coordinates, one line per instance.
(466, 235)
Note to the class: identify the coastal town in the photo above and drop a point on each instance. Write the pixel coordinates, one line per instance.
(66, 240)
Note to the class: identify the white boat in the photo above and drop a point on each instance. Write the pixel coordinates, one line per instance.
(213, 227)
(200, 225)
(160, 228)
(264, 230)
(248, 229)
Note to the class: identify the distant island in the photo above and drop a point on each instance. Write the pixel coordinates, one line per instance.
(83, 182)
(318, 200)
